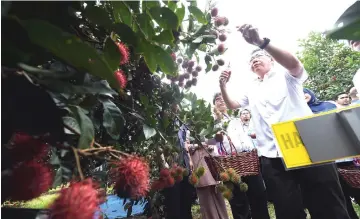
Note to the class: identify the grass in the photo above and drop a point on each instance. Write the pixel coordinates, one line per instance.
(197, 214)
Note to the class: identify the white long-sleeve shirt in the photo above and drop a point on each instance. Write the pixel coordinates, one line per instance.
(239, 135)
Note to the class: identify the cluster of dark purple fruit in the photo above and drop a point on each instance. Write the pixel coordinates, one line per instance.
(220, 34)
(190, 72)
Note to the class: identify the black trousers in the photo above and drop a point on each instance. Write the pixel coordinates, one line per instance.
(321, 190)
(178, 200)
(250, 204)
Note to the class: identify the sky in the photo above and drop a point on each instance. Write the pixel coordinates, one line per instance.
(283, 21)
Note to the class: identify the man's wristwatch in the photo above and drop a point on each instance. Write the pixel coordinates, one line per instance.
(265, 43)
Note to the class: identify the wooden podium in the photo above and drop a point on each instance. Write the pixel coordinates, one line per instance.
(320, 138)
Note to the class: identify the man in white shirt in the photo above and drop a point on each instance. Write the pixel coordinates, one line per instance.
(276, 96)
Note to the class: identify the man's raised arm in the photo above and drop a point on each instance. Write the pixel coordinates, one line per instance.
(230, 103)
(284, 58)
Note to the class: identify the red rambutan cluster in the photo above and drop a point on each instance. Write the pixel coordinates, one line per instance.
(131, 176)
(121, 78)
(80, 200)
(124, 51)
(29, 180)
(24, 147)
(168, 177)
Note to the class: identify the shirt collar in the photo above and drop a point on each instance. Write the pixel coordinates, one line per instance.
(266, 76)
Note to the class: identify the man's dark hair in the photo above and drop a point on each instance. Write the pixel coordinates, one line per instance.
(245, 110)
(215, 96)
(241, 111)
(336, 96)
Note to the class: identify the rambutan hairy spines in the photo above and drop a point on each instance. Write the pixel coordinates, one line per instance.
(131, 176)
(124, 51)
(80, 200)
(29, 180)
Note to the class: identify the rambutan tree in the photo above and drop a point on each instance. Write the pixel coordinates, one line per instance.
(331, 64)
(80, 76)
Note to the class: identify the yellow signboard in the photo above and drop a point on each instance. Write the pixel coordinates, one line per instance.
(290, 144)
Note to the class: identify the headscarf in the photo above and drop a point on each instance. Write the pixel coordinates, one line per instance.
(317, 106)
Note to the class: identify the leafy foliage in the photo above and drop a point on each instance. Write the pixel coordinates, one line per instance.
(330, 64)
(69, 52)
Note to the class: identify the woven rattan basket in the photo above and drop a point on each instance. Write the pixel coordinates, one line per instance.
(351, 176)
(244, 163)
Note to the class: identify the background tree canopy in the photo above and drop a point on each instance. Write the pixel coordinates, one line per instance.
(331, 64)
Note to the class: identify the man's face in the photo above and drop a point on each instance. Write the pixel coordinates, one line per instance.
(220, 104)
(343, 100)
(260, 63)
(355, 45)
(245, 116)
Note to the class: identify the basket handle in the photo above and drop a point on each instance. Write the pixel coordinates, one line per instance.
(231, 146)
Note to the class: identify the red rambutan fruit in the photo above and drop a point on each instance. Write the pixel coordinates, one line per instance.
(29, 180)
(170, 181)
(214, 12)
(124, 51)
(158, 185)
(164, 173)
(131, 177)
(80, 200)
(25, 147)
(121, 78)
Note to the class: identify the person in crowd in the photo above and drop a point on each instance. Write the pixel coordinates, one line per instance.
(355, 45)
(179, 198)
(212, 203)
(253, 203)
(353, 93)
(315, 105)
(275, 96)
(342, 99)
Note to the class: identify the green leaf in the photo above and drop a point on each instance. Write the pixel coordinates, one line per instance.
(112, 54)
(113, 120)
(96, 88)
(144, 21)
(180, 13)
(146, 5)
(126, 34)
(45, 72)
(86, 127)
(165, 37)
(98, 16)
(144, 100)
(198, 40)
(146, 48)
(69, 48)
(164, 60)
(70, 121)
(172, 5)
(208, 63)
(198, 14)
(191, 49)
(134, 5)
(148, 131)
(166, 18)
(122, 13)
